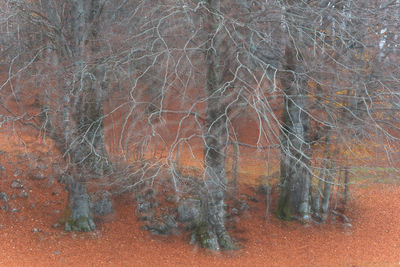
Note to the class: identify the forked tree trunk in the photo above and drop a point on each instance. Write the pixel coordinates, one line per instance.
(294, 199)
(211, 231)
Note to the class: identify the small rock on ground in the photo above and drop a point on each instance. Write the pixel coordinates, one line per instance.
(4, 197)
(16, 184)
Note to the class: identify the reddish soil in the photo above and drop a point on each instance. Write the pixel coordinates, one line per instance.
(28, 239)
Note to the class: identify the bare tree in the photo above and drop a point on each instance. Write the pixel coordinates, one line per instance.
(68, 39)
(215, 135)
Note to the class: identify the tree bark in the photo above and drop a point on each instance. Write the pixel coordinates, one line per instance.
(318, 193)
(88, 149)
(79, 207)
(294, 199)
(211, 231)
(327, 193)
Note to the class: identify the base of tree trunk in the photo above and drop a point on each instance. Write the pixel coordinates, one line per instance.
(81, 224)
(210, 229)
(294, 197)
(284, 210)
(209, 239)
(79, 218)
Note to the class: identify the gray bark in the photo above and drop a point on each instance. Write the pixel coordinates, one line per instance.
(88, 150)
(79, 205)
(346, 187)
(317, 195)
(327, 193)
(211, 231)
(235, 167)
(268, 200)
(324, 173)
(294, 199)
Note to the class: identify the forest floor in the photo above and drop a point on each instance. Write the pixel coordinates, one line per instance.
(35, 203)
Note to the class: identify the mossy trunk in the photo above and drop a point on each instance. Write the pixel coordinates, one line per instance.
(79, 208)
(211, 231)
(294, 199)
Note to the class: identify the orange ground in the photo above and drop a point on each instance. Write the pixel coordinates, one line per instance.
(373, 240)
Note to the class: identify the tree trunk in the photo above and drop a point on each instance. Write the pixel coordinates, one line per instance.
(79, 207)
(235, 169)
(324, 173)
(85, 144)
(318, 194)
(327, 192)
(88, 150)
(294, 199)
(215, 235)
(211, 231)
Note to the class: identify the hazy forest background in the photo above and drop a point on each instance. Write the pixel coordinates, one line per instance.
(193, 110)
